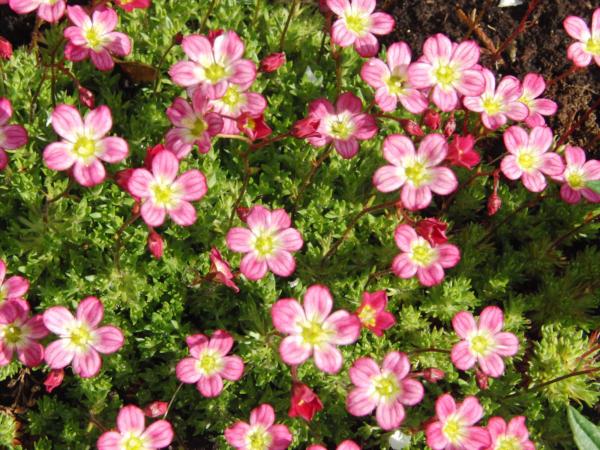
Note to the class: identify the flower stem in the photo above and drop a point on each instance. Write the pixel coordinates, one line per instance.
(287, 24)
(561, 238)
(172, 400)
(159, 66)
(516, 31)
(427, 350)
(315, 166)
(555, 380)
(36, 95)
(579, 123)
(353, 222)
(246, 162)
(567, 73)
(336, 54)
(212, 5)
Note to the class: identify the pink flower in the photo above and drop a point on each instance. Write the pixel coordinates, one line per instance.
(272, 62)
(260, 433)
(345, 445)
(14, 288)
(512, 436)
(130, 5)
(194, 125)
(533, 86)
(454, 428)
(305, 403)
(214, 66)
(461, 152)
(164, 193)
(19, 333)
(386, 389)
(372, 313)
(576, 175)
(236, 102)
(422, 258)
(449, 69)
(588, 46)
(133, 434)
(94, 37)
(483, 342)
(267, 243)
(357, 24)
(11, 136)
(80, 339)
(433, 230)
(220, 270)
(529, 158)
(48, 10)
(254, 127)
(209, 363)
(313, 330)
(391, 80)
(497, 105)
(417, 173)
(84, 146)
(345, 124)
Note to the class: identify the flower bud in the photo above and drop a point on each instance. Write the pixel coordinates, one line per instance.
(156, 409)
(433, 375)
(306, 127)
(494, 204)
(305, 403)
(432, 119)
(151, 152)
(254, 127)
(482, 379)
(122, 178)
(461, 152)
(243, 212)
(6, 49)
(155, 244)
(272, 62)
(86, 97)
(54, 379)
(433, 230)
(213, 34)
(412, 127)
(450, 126)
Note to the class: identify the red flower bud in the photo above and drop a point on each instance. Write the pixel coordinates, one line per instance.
(461, 153)
(450, 126)
(324, 7)
(135, 209)
(494, 204)
(155, 244)
(412, 127)
(432, 119)
(122, 179)
(213, 34)
(433, 375)
(242, 212)
(6, 49)
(178, 38)
(305, 403)
(151, 152)
(156, 409)
(482, 379)
(220, 271)
(54, 379)
(86, 97)
(433, 230)
(306, 127)
(272, 62)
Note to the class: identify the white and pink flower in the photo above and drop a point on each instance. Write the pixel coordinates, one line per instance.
(209, 363)
(48, 10)
(533, 86)
(94, 37)
(267, 243)
(313, 330)
(84, 146)
(387, 389)
(450, 69)
(391, 80)
(588, 47)
(498, 104)
(215, 65)
(483, 342)
(11, 136)
(578, 172)
(162, 192)
(80, 339)
(357, 25)
(454, 428)
(529, 158)
(19, 333)
(421, 257)
(345, 445)
(195, 124)
(261, 433)
(132, 433)
(417, 172)
(13, 288)
(344, 125)
(513, 436)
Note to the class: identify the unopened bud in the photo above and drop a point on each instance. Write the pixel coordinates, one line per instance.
(156, 409)
(86, 97)
(306, 127)
(412, 127)
(432, 119)
(433, 375)
(494, 204)
(6, 49)
(272, 62)
(482, 380)
(178, 39)
(243, 212)
(155, 244)
(450, 126)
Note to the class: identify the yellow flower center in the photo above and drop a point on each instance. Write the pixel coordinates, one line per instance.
(386, 386)
(198, 128)
(454, 430)
(422, 254)
(313, 333)
(508, 443)
(395, 84)
(417, 174)
(258, 439)
(132, 442)
(93, 38)
(210, 363)
(367, 316)
(12, 334)
(492, 105)
(593, 46)
(357, 24)
(232, 96)
(481, 344)
(215, 73)
(445, 75)
(527, 160)
(265, 244)
(84, 148)
(341, 128)
(163, 195)
(527, 100)
(81, 336)
(575, 178)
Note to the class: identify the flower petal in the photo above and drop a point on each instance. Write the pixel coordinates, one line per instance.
(88, 364)
(252, 267)
(360, 402)
(293, 351)
(159, 434)
(210, 386)
(285, 314)
(130, 419)
(462, 357)
(464, 324)
(328, 358)
(90, 174)
(67, 122)
(317, 303)
(362, 371)
(109, 339)
(187, 371)
(389, 415)
(91, 311)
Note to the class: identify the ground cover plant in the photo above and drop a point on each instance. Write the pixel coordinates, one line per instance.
(306, 224)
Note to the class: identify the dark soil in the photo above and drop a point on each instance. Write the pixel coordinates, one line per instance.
(541, 48)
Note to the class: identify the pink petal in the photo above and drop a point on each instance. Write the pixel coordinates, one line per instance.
(552, 164)
(76, 53)
(317, 303)
(159, 434)
(285, 314)
(346, 325)
(444, 406)
(262, 415)
(367, 45)
(118, 44)
(577, 28)
(448, 255)
(87, 365)
(338, 6)
(293, 352)
(476, 438)
(419, 75)
(238, 239)
(106, 18)
(491, 319)
(462, 357)
(471, 83)
(534, 84)
(233, 368)
(2, 271)
(252, 267)
(259, 219)
(517, 111)
(414, 101)
(596, 22)
(443, 180)
(569, 195)
(437, 47)
(111, 440)
(496, 427)
(374, 71)
(433, 149)
(340, 35)
(102, 60)
(464, 324)
(320, 108)
(399, 54)
(328, 358)
(381, 23)
(515, 138)
(193, 184)
(507, 344)
(415, 198)
(431, 275)
(388, 178)
(397, 363)
(31, 354)
(58, 320)
(386, 101)
(466, 54)
(59, 354)
(90, 311)
(78, 16)
(470, 410)
(290, 240)
(509, 88)
(591, 170)
(210, 386)
(366, 126)
(435, 437)
(24, 6)
(15, 136)
(184, 214)
(187, 371)
(360, 402)
(221, 341)
(509, 167)
(180, 110)
(184, 73)
(235, 435)
(114, 149)
(403, 267)
(492, 365)
(282, 263)
(396, 148)
(445, 100)
(348, 102)
(6, 353)
(67, 122)
(152, 214)
(412, 392)
(109, 339)
(165, 165)
(98, 122)
(15, 287)
(282, 438)
(540, 138)
(534, 181)
(389, 415)
(36, 327)
(228, 47)
(90, 174)
(494, 122)
(198, 48)
(516, 427)
(362, 371)
(244, 73)
(130, 419)
(139, 183)
(473, 103)
(52, 12)
(577, 53)
(347, 149)
(575, 156)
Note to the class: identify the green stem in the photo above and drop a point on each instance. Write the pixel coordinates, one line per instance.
(246, 161)
(561, 238)
(287, 24)
(554, 380)
(212, 5)
(160, 63)
(310, 176)
(172, 400)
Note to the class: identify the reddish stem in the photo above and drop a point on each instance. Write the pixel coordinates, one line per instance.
(516, 31)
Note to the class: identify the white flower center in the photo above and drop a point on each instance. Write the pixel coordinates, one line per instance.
(593, 46)
(508, 443)
(417, 173)
(95, 37)
(492, 105)
(386, 387)
(314, 333)
(396, 83)
(131, 441)
(454, 429)
(368, 316)
(445, 74)
(528, 160)
(215, 73)
(340, 126)
(84, 149)
(81, 336)
(164, 194)
(265, 243)
(481, 343)
(575, 177)
(422, 253)
(357, 23)
(11, 334)
(210, 362)
(258, 438)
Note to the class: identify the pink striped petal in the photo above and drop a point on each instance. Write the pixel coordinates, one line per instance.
(437, 47)
(412, 392)
(444, 406)
(346, 149)
(366, 126)
(435, 437)
(389, 178)
(244, 73)
(282, 438)
(534, 84)
(317, 303)
(492, 365)
(193, 184)
(591, 170)
(338, 6)
(470, 410)
(448, 255)
(552, 164)
(252, 267)
(139, 183)
(228, 47)
(397, 363)
(320, 108)
(346, 325)
(210, 386)
(403, 267)
(235, 435)
(102, 59)
(58, 319)
(184, 214)
(233, 368)
(396, 148)
(88, 364)
(569, 195)
(328, 358)
(153, 215)
(282, 263)
(198, 48)
(534, 181)
(187, 371)
(419, 75)
(111, 440)
(399, 54)
(575, 156)
(31, 354)
(58, 354)
(507, 344)
(476, 438)
(24, 6)
(6, 353)
(433, 149)
(5, 110)
(263, 415)
(515, 138)
(109, 339)
(381, 23)
(256, 103)
(462, 357)
(165, 165)
(367, 45)
(290, 240)
(415, 198)
(238, 239)
(36, 328)
(540, 138)
(386, 101)
(360, 402)
(76, 53)
(466, 54)
(118, 44)
(285, 314)
(510, 168)
(67, 122)
(14, 136)
(389, 415)
(491, 319)
(577, 28)
(445, 100)
(221, 341)
(259, 219)
(2, 269)
(414, 101)
(431, 275)
(114, 149)
(52, 12)
(362, 371)
(98, 122)
(130, 419)
(90, 174)
(374, 71)
(340, 35)
(185, 73)
(464, 324)
(78, 16)
(471, 83)
(15, 287)
(159, 434)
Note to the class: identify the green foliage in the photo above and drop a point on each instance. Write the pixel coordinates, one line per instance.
(585, 433)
